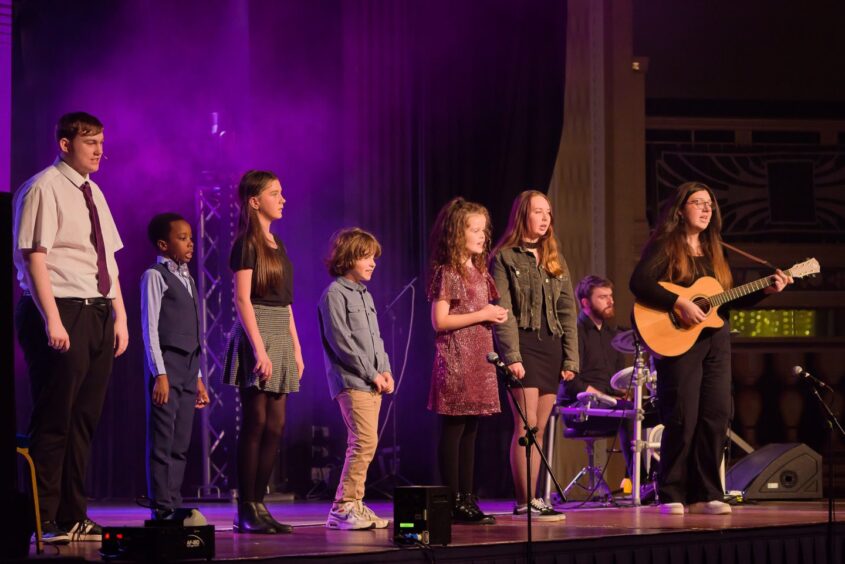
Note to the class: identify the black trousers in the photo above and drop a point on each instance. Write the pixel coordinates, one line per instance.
(694, 401)
(68, 390)
(169, 428)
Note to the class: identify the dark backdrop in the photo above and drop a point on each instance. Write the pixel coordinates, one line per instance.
(372, 113)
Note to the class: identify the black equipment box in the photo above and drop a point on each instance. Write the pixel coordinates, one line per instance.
(422, 514)
(159, 542)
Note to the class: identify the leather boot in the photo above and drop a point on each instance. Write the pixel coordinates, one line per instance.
(248, 521)
(264, 515)
(466, 511)
(483, 518)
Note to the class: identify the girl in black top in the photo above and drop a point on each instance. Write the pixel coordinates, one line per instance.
(693, 389)
(264, 358)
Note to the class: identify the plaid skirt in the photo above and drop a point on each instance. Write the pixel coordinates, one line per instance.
(274, 328)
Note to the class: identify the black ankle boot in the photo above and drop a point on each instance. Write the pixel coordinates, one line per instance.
(264, 515)
(470, 513)
(248, 521)
(466, 511)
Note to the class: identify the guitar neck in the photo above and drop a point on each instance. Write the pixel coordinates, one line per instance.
(744, 290)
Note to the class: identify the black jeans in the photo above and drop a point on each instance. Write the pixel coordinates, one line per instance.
(694, 398)
(68, 390)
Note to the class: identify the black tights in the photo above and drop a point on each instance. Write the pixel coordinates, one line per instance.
(456, 451)
(258, 442)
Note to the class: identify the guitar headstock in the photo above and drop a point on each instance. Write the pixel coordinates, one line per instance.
(807, 268)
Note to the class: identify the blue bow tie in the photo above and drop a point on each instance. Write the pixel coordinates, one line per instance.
(178, 268)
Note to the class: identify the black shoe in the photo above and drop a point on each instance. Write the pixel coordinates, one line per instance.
(264, 514)
(648, 493)
(51, 533)
(248, 521)
(161, 514)
(85, 531)
(484, 519)
(466, 511)
(540, 510)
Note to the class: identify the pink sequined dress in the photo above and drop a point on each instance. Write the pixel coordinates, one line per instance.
(462, 381)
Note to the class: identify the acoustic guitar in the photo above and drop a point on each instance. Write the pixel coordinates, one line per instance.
(666, 334)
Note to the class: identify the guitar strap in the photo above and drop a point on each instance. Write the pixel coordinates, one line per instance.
(758, 260)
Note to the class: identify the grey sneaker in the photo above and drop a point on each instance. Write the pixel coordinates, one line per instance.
(346, 517)
(368, 513)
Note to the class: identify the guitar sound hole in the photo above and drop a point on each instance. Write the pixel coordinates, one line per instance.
(703, 304)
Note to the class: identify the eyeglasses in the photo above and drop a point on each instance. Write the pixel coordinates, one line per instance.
(702, 204)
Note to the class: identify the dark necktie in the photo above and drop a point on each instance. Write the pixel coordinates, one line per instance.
(103, 279)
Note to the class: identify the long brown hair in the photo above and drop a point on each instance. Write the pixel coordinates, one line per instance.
(669, 238)
(268, 266)
(518, 226)
(447, 242)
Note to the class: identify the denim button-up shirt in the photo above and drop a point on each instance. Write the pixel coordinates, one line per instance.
(352, 345)
(523, 288)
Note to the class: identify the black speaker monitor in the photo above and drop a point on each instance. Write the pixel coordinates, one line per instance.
(422, 514)
(778, 471)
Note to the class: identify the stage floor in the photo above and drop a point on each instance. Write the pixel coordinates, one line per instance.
(595, 526)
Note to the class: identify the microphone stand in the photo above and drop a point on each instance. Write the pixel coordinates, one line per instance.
(833, 425)
(529, 440)
(393, 475)
(399, 295)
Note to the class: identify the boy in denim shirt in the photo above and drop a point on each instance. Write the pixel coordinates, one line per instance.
(357, 368)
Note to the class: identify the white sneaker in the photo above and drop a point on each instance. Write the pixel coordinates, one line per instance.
(540, 511)
(714, 507)
(346, 517)
(674, 508)
(368, 513)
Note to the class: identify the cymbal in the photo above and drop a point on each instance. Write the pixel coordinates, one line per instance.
(624, 342)
(621, 381)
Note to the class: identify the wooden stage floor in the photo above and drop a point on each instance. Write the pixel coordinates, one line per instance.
(586, 530)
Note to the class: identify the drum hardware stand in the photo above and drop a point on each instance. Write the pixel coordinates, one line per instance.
(640, 377)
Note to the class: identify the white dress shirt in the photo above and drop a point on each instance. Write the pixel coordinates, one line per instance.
(51, 216)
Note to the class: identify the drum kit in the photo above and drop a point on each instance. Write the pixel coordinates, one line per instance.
(625, 342)
(639, 383)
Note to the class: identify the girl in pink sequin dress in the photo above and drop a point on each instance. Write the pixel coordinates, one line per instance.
(463, 384)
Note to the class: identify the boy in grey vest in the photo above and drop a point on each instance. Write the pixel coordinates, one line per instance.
(170, 323)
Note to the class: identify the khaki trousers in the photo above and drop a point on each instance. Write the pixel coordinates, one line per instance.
(360, 413)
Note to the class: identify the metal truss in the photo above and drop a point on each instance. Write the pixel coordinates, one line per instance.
(217, 217)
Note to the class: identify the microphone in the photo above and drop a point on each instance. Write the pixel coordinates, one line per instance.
(502, 368)
(800, 372)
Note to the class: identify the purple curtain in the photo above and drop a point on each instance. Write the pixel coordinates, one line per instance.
(374, 113)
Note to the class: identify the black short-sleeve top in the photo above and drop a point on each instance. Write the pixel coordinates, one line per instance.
(243, 258)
